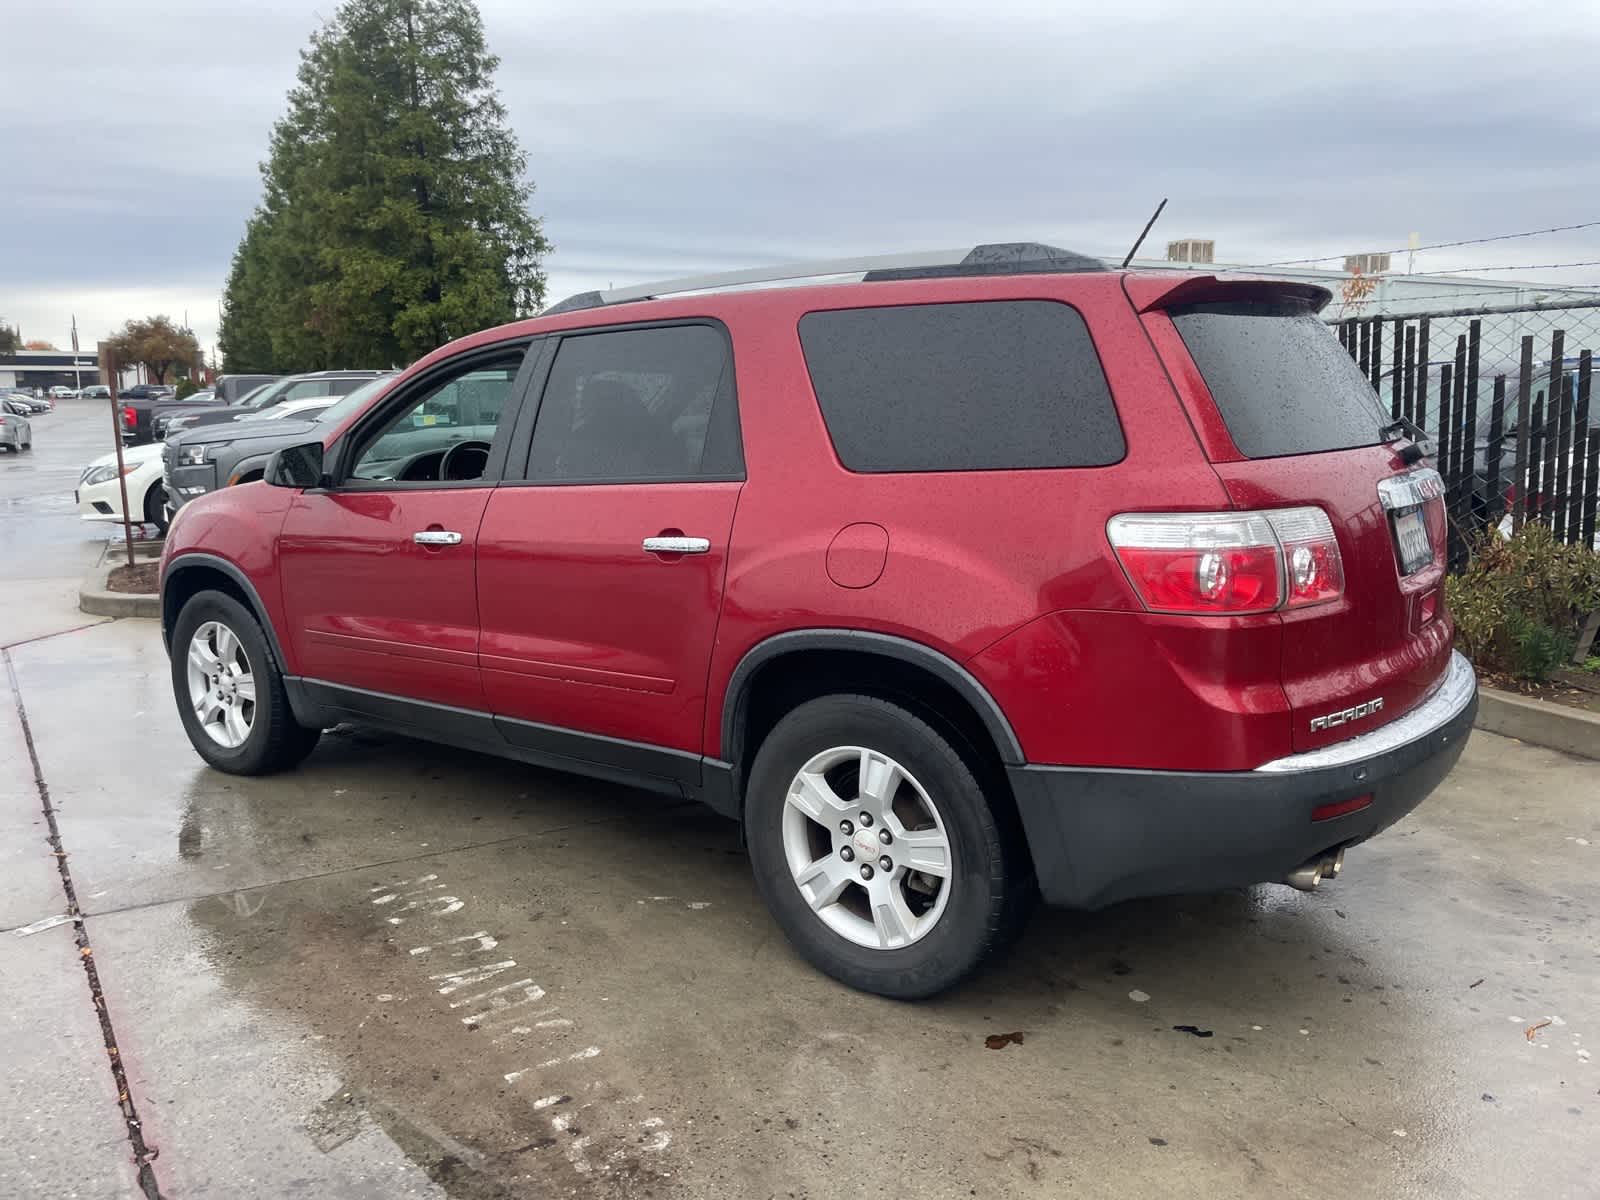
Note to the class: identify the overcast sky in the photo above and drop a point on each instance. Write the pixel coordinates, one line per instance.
(673, 138)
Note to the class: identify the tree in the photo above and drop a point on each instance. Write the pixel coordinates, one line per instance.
(394, 214)
(158, 344)
(10, 340)
(37, 344)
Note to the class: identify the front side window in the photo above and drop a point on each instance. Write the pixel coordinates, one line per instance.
(442, 432)
(639, 405)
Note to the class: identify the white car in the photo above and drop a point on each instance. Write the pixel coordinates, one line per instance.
(62, 392)
(16, 434)
(100, 499)
(307, 408)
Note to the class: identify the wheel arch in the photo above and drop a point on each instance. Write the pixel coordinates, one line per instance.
(192, 573)
(792, 667)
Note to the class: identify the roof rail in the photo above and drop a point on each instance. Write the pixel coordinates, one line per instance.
(992, 258)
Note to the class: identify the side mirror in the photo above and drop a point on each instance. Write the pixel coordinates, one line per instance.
(296, 466)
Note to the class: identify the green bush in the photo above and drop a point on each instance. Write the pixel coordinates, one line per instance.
(185, 389)
(1518, 605)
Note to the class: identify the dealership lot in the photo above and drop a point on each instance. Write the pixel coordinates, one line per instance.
(403, 970)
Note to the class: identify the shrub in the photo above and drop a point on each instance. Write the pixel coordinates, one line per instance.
(1518, 605)
(185, 389)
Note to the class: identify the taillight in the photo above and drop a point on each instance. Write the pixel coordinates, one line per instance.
(130, 416)
(1229, 563)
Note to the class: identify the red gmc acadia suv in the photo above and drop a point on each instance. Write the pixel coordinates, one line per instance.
(967, 581)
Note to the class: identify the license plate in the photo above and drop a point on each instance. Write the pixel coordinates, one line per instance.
(1411, 536)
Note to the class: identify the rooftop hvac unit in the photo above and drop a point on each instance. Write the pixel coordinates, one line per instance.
(1366, 264)
(1192, 250)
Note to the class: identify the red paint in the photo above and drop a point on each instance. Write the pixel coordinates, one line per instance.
(582, 627)
(550, 610)
(365, 605)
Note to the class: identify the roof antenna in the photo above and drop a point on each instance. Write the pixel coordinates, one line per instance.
(1143, 235)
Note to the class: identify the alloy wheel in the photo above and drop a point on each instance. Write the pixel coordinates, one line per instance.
(867, 847)
(222, 687)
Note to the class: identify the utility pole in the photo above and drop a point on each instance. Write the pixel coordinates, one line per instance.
(77, 373)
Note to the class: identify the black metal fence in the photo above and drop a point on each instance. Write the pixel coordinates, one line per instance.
(1504, 395)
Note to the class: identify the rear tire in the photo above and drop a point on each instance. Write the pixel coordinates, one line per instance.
(230, 692)
(897, 931)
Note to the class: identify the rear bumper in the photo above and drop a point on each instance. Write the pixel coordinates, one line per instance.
(1101, 835)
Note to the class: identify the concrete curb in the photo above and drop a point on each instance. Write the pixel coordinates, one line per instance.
(1539, 722)
(94, 597)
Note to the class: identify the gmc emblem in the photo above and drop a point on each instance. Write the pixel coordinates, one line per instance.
(1346, 715)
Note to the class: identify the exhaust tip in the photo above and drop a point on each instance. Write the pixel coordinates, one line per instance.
(1308, 874)
(1305, 877)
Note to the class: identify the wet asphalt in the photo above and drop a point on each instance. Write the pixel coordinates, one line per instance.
(407, 971)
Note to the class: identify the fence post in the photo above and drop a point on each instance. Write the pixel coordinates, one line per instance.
(1422, 374)
(1592, 473)
(1408, 401)
(1535, 456)
(1363, 340)
(1469, 440)
(1519, 471)
(1563, 497)
(1454, 482)
(1397, 384)
(1547, 473)
(1493, 493)
(1582, 479)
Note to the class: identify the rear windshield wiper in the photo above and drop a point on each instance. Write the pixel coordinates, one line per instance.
(1404, 428)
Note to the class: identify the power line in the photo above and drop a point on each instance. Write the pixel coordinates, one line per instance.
(1501, 237)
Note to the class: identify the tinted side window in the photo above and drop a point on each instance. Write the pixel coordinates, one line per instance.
(639, 404)
(994, 385)
(1281, 380)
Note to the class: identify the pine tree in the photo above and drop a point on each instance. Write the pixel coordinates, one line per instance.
(395, 209)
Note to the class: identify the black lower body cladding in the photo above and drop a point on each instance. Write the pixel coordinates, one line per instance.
(1099, 836)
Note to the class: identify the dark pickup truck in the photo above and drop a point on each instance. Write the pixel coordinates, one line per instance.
(135, 405)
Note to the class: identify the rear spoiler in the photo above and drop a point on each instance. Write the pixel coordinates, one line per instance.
(1169, 289)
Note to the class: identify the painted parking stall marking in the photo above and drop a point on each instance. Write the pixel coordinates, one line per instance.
(484, 988)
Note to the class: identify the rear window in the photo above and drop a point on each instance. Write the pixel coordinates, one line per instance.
(988, 386)
(1281, 380)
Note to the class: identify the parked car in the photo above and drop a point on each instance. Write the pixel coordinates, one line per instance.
(62, 392)
(16, 405)
(99, 493)
(293, 387)
(307, 408)
(96, 391)
(33, 404)
(16, 434)
(219, 456)
(956, 585)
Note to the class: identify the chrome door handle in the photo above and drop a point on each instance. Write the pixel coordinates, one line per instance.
(677, 545)
(436, 537)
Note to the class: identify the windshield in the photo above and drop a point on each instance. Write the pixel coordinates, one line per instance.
(355, 399)
(248, 400)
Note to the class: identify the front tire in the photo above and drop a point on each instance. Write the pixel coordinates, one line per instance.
(155, 507)
(875, 849)
(230, 691)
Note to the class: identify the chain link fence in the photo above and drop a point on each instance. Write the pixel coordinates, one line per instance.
(1504, 396)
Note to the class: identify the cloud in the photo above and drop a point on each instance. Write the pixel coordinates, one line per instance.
(671, 139)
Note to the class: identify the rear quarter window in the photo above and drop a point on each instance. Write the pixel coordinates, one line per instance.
(1279, 377)
(985, 386)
